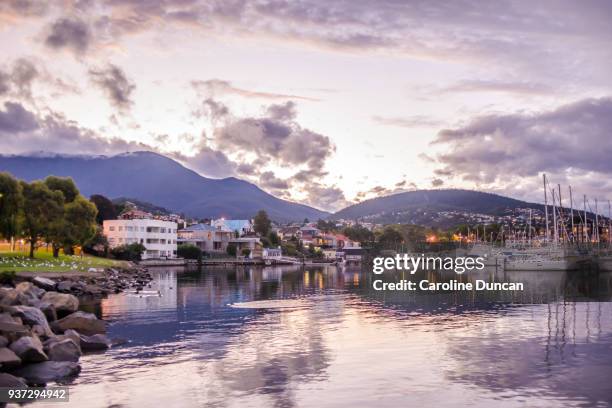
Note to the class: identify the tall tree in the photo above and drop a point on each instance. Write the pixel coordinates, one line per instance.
(65, 185)
(80, 221)
(106, 208)
(11, 200)
(261, 223)
(42, 210)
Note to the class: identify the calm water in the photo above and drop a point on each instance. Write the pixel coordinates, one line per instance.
(549, 346)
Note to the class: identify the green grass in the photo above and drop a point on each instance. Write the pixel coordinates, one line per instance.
(44, 262)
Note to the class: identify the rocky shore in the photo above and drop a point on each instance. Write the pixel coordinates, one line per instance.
(42, 331)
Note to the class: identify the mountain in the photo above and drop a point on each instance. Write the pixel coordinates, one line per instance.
(425, 206)
(157, 179)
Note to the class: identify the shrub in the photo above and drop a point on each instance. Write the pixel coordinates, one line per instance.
(7, 277)
(188, 251)
(246, 252)
(231, 250)
(131, 252)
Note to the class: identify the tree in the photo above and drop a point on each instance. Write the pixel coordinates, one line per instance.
(231, 250)
(65, 185)
(98, 244)
(261, 223)
(359, 233)
(189, 251)
(80, 221)
(390, 238)
(11, 201)
(106, 208)
(131, 252)
(42, 209)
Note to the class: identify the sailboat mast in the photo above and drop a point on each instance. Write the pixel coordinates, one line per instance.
(546, 208)
(554, 210)
(596, 223)
(586, 223)
(572, 210)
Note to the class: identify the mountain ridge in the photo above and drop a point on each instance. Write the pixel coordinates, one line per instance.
(160, 180)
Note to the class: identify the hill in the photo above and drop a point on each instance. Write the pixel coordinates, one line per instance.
(424, 207)
(157, 179)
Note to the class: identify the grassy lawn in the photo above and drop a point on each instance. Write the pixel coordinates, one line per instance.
(44, 262)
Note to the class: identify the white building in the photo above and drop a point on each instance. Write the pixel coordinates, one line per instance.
(157, 236)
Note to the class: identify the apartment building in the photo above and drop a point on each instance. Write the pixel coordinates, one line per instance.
(158, 236)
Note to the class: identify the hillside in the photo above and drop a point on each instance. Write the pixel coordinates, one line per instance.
(157, 179)
(424, 207)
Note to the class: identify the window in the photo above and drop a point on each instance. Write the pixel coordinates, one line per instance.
(111, 228)
(120, 228)
(142, 229)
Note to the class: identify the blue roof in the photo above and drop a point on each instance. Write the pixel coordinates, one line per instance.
(199, 227)
(236, 225)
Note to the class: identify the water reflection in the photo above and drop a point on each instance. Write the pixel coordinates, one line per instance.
(549, 345)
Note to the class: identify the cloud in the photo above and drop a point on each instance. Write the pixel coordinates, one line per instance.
(23, 131)
(276, 137)
(218, 87)
(209, 162)
(437, 182)
(268, 180)
(113, 81)
(15, 118)
(71, 34)
(522, 88)
(416, 121)
(502, 150)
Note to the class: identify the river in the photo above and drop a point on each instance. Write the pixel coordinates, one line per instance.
(345, 344)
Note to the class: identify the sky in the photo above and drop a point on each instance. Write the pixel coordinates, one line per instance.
(326, 103)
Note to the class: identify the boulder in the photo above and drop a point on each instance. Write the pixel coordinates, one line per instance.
(96, 342)
(33, 293)
(85, 323)
(13, 331)
(44, 283)
(48, 371)
(48, 310)
(29, 349)
(3, 341)
(74, 335)
(8, 359)
(64, 350)
(63, 302)
(10, 381)
(64, 286)
(30, 315)
(9, 297)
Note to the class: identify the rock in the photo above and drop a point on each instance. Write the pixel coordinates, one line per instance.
(42, 373)
(93, 290)
(33, 293)
(10, 381)
(12, 331)
(64, 350)
(44, 283)
(31, 316)
(48, 310)
(85, 323)
(74, 335)
(3, 341)
(96, 342)
(29, 349)
(64, 286)
(63, 302)
(8, 359)
(9, 297)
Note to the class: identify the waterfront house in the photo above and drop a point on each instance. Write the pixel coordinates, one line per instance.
(206, 237)
(252, 244)
(272, 253)
(159, 237)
